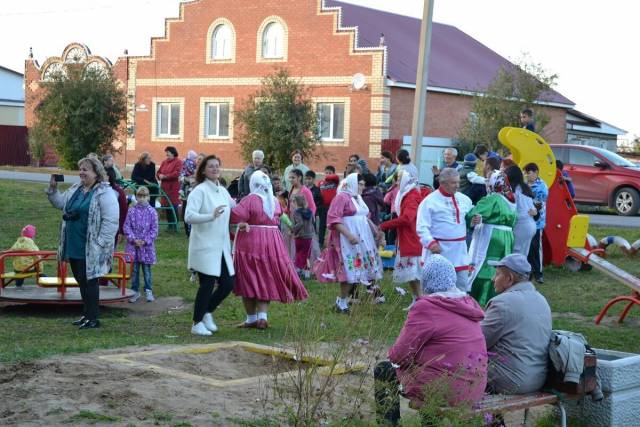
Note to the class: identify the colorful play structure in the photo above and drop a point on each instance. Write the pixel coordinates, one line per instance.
(61, 288)
(566, 240)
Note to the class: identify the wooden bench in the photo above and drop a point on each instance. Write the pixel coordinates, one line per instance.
(503, 403)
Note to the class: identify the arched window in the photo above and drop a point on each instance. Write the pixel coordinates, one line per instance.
(222, 42)
(273, 41)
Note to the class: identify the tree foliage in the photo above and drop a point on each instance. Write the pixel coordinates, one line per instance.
(37, 144)
(514, 88)
(278, 118)
(80, 113)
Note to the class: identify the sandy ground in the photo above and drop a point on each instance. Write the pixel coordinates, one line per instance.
(54, 391)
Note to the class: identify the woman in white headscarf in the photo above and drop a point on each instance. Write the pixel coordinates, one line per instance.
(351, 256)
(408, 266)
(264, 271)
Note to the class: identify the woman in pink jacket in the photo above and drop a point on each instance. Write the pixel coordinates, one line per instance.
(441, 343)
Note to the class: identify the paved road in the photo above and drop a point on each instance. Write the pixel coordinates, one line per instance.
(615, 220)
(36, 177)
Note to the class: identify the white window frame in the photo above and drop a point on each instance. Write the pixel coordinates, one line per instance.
(156, 116)
(204, 120)
(273, 41)
(332, 137)
(263, 49)
(211, 33)
(344, 142)
(224, 39)
(207, 119)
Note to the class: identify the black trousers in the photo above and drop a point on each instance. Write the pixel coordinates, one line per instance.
(535, 255)
(322, 224)
(207, 300)
(387, 394)
(187, 227)
(89, 289)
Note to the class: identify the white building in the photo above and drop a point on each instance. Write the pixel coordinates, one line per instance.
(11, 97)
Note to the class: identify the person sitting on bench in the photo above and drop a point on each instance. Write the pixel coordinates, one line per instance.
(441, 344)
(517, 328)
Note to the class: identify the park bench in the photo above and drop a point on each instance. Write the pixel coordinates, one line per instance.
(500, 404)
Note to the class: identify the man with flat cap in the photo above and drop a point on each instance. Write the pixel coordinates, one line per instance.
(517, 328)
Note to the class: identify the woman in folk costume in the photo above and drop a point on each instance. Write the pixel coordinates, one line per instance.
(493, 238)
(264, 271)
(408, 265)
(351, 256)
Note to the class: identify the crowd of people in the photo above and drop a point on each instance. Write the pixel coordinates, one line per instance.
(467, 245)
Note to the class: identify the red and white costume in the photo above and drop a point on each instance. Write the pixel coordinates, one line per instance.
(441, 219)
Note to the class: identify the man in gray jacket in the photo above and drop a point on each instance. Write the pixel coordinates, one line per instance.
(517, 328)
(257, 158)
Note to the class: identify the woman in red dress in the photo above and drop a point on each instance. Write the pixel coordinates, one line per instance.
(264, 271)
(168, 175)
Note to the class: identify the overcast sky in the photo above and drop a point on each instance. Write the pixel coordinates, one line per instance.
(591, 45)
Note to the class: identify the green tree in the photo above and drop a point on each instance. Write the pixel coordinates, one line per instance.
(37, 144)
(81, 112)
(277, 119)
(514, 88)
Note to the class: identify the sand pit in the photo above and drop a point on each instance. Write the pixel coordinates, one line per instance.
(55, 391)
(224, 364)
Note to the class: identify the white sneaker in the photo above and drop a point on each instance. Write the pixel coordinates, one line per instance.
(135, 297)
(200, 329)
(149, 294)
(208, 322)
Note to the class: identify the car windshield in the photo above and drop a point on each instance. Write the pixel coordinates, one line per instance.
(614, 158)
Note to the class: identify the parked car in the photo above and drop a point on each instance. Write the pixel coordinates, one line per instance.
(601, 177)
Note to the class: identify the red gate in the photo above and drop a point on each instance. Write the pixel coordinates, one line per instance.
(14, 149)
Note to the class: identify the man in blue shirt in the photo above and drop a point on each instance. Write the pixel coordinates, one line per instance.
(541, 193)
(526, 119)
(450, 155)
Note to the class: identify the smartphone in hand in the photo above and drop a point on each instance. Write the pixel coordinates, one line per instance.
(58, 177)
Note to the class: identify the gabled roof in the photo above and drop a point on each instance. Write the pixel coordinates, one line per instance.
(9, 70)
(578, 120)
(458, 62)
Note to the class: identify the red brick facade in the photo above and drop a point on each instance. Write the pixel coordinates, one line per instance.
(317, 49)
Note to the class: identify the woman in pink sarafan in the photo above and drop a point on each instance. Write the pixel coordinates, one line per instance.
(264, 271)
(441, 347)
(351, 256)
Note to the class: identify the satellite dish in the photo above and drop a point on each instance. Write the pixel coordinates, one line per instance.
(358, 81)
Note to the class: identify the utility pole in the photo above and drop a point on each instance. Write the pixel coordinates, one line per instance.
(420, 100)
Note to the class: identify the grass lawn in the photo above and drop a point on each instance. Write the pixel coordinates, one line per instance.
(31, 332)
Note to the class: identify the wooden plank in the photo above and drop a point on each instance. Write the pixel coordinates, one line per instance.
(609, 269)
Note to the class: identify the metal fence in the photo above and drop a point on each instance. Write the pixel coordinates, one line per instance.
(14, 149)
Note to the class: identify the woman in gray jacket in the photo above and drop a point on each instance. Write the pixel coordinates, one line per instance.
(87, 233)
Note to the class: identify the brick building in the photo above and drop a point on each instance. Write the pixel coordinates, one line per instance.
(216, 52)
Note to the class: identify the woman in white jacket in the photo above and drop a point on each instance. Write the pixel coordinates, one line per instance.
(208, 212)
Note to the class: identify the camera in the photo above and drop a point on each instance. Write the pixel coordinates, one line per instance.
(71, 216)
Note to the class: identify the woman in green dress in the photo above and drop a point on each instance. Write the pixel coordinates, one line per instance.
(493, 238)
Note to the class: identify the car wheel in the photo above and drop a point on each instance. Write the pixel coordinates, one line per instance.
(627, 201)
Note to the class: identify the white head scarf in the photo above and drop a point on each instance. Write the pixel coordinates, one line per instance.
(407, 183)
(349, 185)
(260, 184)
